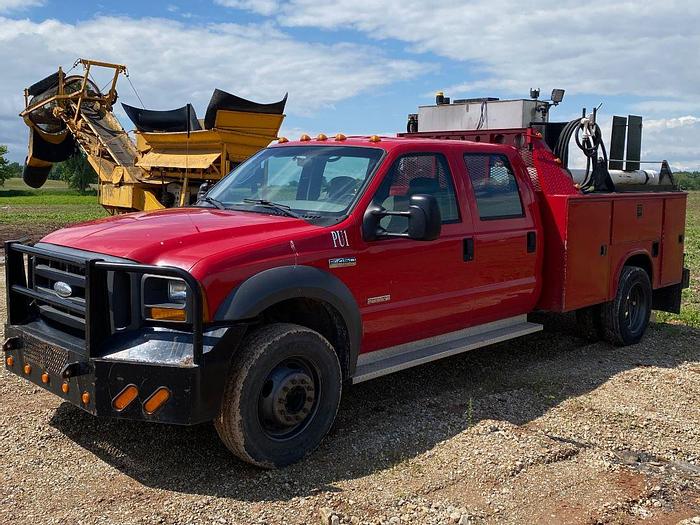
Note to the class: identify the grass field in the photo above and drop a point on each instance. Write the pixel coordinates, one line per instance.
(34, 213)
(24, 211)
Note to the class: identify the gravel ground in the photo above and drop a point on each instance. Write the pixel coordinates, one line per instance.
(548, 429)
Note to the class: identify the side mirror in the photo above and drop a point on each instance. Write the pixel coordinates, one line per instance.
(203, 189)
(424, 220)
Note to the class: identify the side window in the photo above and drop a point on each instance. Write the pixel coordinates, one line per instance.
(495, 187)
(419, 173)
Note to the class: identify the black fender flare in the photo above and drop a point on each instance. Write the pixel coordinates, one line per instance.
(275, 285)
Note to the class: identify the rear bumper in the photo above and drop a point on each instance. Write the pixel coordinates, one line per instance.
(195, 391)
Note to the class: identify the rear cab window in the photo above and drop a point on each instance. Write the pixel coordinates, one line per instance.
(495, 187)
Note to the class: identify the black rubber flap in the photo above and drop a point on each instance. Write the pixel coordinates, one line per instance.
(172, 120)
(222, 100)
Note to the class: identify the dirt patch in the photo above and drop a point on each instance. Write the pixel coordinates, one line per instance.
(547, 429)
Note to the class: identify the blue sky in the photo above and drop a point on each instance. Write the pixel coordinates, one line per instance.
(361, 66)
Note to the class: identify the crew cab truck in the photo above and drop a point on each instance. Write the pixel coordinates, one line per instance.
(325, 262)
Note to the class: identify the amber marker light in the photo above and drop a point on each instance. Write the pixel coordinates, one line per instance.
(27, 369)
(124, 398)
(10, 361)
(340, 137)
(167, 314)
(321, 136)
(282, 140)
(558, 161)
(85, 398)
(65, 388)
(375, 138)
(45, 378)
(304, 138)
(157, 400)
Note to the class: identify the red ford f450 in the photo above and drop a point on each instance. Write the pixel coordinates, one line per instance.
(324, 262)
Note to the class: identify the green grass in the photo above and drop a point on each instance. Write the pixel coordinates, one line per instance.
(52, 206)
(690, 311)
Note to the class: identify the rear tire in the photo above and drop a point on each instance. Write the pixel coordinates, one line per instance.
(626, 317)
(281, 397)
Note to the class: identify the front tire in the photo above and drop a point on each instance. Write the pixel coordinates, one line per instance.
(282, 395)
(626, 317)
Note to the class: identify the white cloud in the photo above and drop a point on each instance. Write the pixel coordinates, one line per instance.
(18, 5)
(171, 63)
(624, 47)
(262, 7)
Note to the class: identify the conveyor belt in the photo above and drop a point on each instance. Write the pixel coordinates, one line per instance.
(112, 136)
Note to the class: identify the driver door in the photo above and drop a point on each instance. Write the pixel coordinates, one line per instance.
(415, 289)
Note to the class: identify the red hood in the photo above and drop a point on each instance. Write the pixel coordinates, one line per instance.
(177, 237)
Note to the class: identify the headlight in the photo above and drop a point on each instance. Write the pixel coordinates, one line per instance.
(177, 291)
(164, 298)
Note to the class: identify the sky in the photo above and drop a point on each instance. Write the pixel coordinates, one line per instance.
(360, 66)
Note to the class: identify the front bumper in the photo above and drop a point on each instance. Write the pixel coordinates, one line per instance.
(91, 367)
(93, 384)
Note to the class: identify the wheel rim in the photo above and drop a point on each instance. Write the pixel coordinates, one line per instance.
(635, 309)
(288, 398)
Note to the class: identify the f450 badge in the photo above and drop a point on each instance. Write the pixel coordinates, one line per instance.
(342, 262)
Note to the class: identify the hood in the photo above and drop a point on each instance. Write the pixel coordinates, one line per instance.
(178, 237)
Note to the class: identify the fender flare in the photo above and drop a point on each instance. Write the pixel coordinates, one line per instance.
(275, 285)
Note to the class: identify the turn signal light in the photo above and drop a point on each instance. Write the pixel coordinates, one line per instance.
(321, 136)
(45, 378)
(85, 398)
(10, 361)
(65, 388)
(157, 400)
(27, 369)
(124, 398)
(375, 138)
(167, 314)
(304, 138)
(282, 140)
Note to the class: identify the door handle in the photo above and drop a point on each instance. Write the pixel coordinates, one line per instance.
(468, 249)
(531, 242)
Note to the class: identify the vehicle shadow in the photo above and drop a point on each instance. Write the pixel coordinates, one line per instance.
(384, 421)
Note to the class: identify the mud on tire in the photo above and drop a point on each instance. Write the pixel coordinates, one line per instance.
(281, 397)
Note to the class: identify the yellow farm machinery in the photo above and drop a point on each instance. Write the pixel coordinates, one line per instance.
(172, 153)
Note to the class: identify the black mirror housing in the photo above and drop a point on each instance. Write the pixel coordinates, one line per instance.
(424, 220)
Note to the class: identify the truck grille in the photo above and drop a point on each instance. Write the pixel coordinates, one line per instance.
(66, 310)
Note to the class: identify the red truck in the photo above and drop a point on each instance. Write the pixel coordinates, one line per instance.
(330, 261)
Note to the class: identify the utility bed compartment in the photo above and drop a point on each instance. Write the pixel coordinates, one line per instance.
(589, 238)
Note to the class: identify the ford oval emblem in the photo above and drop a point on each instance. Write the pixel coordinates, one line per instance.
(62, 289)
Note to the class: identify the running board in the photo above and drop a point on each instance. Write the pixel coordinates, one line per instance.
(382, 362)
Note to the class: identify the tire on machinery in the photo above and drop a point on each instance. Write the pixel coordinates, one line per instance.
(634, 287)
(241, 422)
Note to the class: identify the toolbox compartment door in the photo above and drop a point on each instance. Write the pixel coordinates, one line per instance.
(673, 241)
(587, 259)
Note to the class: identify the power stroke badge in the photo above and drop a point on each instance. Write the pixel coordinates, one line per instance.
(342, 262)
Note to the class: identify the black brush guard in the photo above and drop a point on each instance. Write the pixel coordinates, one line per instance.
(83, 364)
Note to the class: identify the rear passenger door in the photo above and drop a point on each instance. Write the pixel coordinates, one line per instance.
(504, 250)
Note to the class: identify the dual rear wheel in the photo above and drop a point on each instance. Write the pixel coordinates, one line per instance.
(623, 320)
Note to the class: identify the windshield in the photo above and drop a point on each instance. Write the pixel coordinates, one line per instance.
(310, 181)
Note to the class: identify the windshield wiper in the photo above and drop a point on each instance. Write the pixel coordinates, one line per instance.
(211, 200)
(286, 210)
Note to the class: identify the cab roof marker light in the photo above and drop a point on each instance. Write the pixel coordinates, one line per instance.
(321, 136)
(340, 137)
(375, 138)
(282, 140)
(304, 138)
